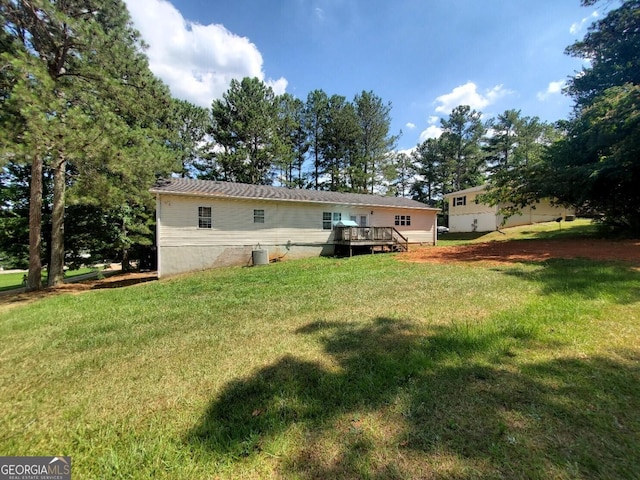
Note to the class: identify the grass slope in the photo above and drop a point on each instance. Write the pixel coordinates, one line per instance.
(579, 228)
(13, 280)
(325, 368)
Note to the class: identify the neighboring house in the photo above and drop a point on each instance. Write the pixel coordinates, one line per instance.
(203, 224)
(467, 214)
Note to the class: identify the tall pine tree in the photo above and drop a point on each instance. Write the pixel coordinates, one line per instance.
(87, 99)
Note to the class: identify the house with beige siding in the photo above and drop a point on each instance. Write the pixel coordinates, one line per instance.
(468, 214)
(204, 224)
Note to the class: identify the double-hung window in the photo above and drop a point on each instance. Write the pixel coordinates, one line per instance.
(258, 216)
(326, 220)
(329, 219)
(204, 217)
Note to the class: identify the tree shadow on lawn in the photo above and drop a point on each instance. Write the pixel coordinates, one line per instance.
(585, 278)
(453, 394)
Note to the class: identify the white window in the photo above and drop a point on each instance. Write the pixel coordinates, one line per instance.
(329, 219)
(403, 220)
(204, 217)
(326, 220)
(258, 216)
(459, 201)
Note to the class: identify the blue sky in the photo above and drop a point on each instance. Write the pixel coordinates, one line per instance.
(423, 56)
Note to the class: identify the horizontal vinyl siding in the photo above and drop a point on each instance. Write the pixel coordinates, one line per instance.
(232, 223)
(421, 230)
(543, 212)
(297, 223)
(484, 222)
(471, 207)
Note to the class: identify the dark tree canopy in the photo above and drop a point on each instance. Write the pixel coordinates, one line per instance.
(612, 47)
(245, 132)
(460, 141)
(597, 165)
(84, 109)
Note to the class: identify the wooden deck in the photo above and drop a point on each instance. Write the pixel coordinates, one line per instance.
(374, 238)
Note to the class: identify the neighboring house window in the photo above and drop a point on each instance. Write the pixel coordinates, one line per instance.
(403, 220)
(328, 218)
(204, 217)
(258, 216)
(459, 201)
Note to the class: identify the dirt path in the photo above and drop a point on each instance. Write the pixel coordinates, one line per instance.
(529, 250)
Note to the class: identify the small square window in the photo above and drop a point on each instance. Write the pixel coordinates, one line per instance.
(204, 217)
(258, 216)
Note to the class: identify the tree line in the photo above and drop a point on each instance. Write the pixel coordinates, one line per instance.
(86, 129)
(253, 136)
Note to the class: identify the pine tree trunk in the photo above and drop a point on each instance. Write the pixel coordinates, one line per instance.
(56, 264)
(34, 278)
(126, 261)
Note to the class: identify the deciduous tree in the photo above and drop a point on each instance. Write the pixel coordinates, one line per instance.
(597, 165)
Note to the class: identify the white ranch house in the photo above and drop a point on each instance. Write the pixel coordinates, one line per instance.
(467, 214)
(204, 224)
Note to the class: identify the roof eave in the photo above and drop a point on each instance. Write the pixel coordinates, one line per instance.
(293, 200)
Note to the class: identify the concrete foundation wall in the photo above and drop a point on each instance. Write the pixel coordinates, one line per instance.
(173, 260)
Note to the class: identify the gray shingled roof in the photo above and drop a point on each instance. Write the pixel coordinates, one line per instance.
(208, 188)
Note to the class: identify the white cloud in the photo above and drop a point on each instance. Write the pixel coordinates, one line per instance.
(554, 88)
(279, 86)
(433, 131)
(410, 125)
(407, 151)
(433, 119)
(196, 61)
(468, 94)
(578, 26)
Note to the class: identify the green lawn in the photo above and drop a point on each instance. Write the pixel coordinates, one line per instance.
(10, 281)
(580, 227)
(365, 367)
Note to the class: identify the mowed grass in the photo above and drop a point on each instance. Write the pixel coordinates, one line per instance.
(334, 368)
(12, 280)
(579, 228)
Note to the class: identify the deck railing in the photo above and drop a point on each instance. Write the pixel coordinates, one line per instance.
(354, 235)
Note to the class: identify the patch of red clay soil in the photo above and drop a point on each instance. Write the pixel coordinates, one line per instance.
(530, 251)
